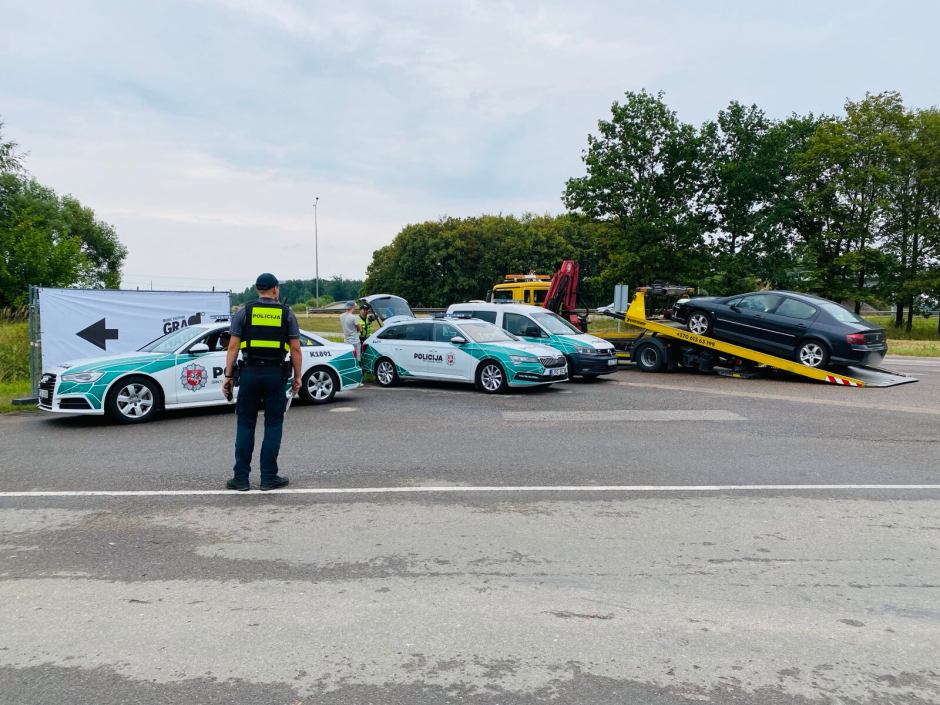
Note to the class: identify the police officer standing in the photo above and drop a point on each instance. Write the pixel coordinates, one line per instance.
(265, 331)
(366, 323)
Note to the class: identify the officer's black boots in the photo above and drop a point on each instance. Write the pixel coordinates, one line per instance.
(275, 483)
(240, 485)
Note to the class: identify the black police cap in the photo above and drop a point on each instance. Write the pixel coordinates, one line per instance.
(266, 281)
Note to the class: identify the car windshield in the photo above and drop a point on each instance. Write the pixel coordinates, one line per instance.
(843, 315)
(555, 324)
(172, 341)
(480, 332)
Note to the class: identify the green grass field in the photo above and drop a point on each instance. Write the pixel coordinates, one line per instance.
(13, 390)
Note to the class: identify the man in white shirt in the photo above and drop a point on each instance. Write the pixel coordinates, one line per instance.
(351, 327)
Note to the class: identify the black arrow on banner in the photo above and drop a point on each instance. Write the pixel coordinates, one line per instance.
(98, 334)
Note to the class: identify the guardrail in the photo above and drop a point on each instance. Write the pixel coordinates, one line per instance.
(336, 312)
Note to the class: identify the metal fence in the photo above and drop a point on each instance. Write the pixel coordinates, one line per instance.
(35, 344)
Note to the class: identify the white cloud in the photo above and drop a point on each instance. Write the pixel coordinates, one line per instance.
(203, 129)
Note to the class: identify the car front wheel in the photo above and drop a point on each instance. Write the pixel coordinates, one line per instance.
(133, 400)
(812, 353)
(699, 323)
(491, 378)
(385, 373)
(319, 386)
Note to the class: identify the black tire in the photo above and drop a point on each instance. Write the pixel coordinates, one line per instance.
(649, 358)
(386, 374)
(134, 399)
(813, 353)
(491, 377)
(319, 386)
(699, 322)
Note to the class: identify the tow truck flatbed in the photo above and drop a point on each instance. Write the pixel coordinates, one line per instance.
(663, 344)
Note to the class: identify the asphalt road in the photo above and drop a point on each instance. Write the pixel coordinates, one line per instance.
(434, 592)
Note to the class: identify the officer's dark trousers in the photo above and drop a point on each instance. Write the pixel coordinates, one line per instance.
(259, 389)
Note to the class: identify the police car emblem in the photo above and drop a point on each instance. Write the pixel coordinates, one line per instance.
(450, 358)
(193, 377)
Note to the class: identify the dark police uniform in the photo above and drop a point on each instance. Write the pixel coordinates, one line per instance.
(265, 328)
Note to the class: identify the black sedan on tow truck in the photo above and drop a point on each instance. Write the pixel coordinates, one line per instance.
(810, 330)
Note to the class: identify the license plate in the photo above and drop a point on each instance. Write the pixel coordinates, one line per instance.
(43, 393)
(612, 362)
(557, 373)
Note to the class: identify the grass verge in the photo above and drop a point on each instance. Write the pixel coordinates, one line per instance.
(921, 348)
(10, 391)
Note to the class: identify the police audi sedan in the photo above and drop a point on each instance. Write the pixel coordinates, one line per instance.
(181, 370)
(454, 349)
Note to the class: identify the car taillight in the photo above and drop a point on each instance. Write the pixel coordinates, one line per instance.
(855, 338)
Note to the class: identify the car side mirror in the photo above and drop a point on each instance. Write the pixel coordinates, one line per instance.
(458, 340)
(734, 308)
(533, 332)
(198, 348)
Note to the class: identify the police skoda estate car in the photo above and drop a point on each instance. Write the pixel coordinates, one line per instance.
(181, 370)
(454, 349)
(587, 355)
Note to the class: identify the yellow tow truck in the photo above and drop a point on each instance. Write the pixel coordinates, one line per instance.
(528, 288)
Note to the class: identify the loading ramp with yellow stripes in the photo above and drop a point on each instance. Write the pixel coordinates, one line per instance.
(660, 345)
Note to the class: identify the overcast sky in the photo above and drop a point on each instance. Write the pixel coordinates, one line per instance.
(204, 129)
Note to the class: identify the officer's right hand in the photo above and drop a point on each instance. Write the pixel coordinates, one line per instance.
(226, 386)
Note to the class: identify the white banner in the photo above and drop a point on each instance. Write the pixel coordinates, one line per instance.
(79, 323)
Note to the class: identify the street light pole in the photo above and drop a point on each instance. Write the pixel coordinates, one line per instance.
(316, 251)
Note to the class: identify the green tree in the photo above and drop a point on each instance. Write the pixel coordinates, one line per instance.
(11, 161)
(644, 174)
(437, 263)
(47, 240)
(843, 177)
(745, 159)
(912, 219)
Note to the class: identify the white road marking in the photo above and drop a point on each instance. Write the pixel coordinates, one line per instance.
(343, 409)
(464, 489)
(785, 397)
(633, 415)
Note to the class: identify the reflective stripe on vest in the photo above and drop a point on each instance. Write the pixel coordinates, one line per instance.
(266, 316)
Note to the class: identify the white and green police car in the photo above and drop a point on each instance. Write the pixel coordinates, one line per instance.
(587, 355)
(181, 370)
(456, 349)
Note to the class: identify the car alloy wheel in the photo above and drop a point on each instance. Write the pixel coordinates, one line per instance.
(812, 355)
(135, 400)
(320, 386)
(385, 373)
(699, 323)
(491, 377)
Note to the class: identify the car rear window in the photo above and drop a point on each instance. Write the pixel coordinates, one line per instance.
(488, 316)
(796, 309)
(843, 315)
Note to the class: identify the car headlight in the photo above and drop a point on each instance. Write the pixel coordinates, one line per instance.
(585, 351)
(85, 377)
(521, 359)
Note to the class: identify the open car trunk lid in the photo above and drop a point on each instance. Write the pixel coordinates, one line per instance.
(388, 308)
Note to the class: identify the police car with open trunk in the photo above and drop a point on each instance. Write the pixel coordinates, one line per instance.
(456, 349)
